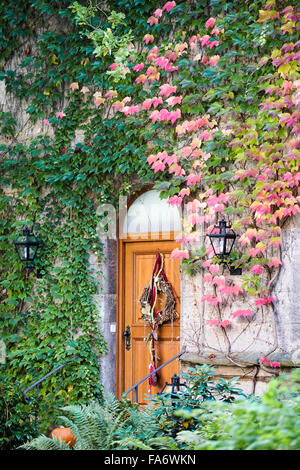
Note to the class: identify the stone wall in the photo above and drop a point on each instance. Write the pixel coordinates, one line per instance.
(106, 276)
(250, 339)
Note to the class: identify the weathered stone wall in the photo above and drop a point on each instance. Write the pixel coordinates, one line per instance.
(106, 300)
(252, 338)
(287, 293)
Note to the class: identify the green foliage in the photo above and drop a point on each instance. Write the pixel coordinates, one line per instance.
(94, 426)
(200, 388)
(16, 423)
(117, 424)
(269, 423)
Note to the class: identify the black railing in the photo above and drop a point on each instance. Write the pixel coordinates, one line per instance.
(135, 386)
(36, 385)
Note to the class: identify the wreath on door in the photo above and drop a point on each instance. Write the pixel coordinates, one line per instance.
(158, 284)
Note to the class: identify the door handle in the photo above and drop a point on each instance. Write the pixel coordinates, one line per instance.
(127, 335)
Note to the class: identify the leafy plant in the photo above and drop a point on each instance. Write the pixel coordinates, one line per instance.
(270, 422)
(16, 420)
(117, 424)
(210, 415)
(94, 426)
(200, 388)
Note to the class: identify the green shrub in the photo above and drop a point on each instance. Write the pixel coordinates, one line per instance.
(207, 416)
(271, 422)
(117, 424)
(94, 426)
(16, 422)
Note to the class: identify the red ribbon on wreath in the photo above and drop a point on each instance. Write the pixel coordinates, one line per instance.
(158, 272)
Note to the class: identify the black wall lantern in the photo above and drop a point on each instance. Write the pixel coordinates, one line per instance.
(222, 239)
(26, 246)
(174, 387)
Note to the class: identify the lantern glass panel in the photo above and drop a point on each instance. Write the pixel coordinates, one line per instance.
(230, 243)
(222, 245)
(26, 246)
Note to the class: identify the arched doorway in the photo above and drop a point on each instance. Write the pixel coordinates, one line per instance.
(150, 227)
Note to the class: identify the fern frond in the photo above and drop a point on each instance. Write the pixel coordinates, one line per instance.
(129, 444)
(44, 443)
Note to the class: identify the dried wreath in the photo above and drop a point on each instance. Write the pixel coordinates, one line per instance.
(158, 284)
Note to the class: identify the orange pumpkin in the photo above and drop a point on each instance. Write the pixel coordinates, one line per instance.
(65, 434)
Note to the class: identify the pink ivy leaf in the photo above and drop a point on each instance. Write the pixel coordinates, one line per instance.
(193, 179)
(219, 208)
(151, 159)
(206, 263)
(167, 90)
(180, 254)
(213, 60)
(154, 116)
(265, 360)
(175, 200)
(174, 100)
(275, 262)
(242, 313)
(169, 6)
(211, 44)
(158, 166)
(225, 323)
(207, 278)
(130, 110)
(138, 67)
(152, 20)
(193, 206)
(186, 151)
(148, 38)
(158, 13)
(209, 250)
(60, 114)
(257, 269)
(184, 192)
(214, 268)
(113, 66)
(74, 86)
(177, 170)
(204, 40)
(117, 105)
(210, 23)
(275, 364)
(111, 94)
(231, 290)
(219, 281)
(211, 299)
(263, 301)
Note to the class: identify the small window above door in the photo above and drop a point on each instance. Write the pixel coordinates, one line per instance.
(151, 215)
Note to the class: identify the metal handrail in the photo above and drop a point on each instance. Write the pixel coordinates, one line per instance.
(36, 385)
(135, 386)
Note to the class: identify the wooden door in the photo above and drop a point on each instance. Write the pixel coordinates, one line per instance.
(138, 259)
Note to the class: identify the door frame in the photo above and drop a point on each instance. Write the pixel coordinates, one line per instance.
(120, 343)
